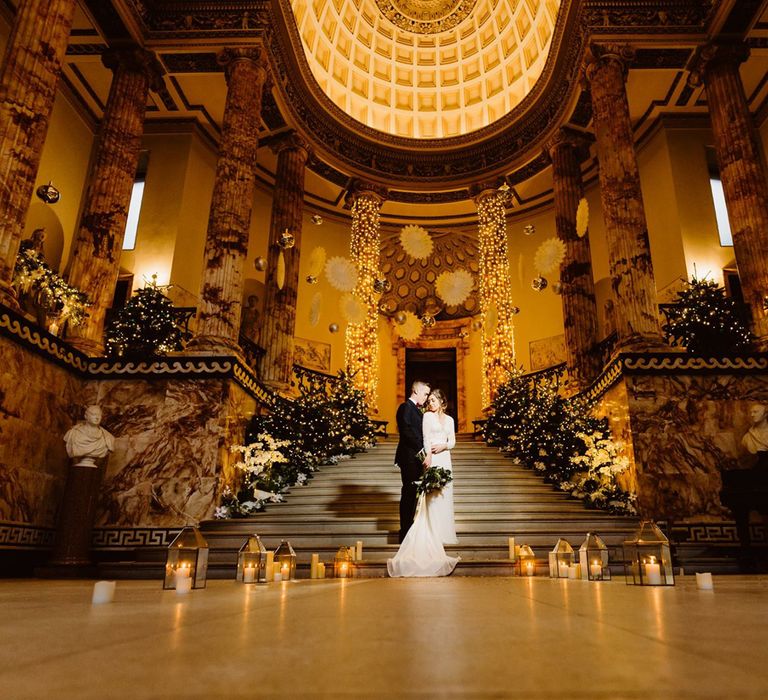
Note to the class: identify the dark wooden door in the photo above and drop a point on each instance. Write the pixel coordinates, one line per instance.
(438, 369)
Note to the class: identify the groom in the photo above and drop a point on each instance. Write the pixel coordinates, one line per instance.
(411, 442)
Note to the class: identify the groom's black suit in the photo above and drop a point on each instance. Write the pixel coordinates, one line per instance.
(409, 420)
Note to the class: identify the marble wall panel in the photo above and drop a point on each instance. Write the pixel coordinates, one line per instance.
(614, 405)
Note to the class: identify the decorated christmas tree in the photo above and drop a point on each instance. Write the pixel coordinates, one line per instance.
(705, 320)
(145, 326)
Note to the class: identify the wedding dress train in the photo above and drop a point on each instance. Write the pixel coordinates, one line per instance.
(422, 553)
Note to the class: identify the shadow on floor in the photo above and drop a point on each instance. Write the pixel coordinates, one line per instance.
(366, 503)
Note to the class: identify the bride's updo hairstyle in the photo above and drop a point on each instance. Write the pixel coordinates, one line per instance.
(440, 396)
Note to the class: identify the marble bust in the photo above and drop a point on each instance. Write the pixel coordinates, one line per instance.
(87, 441)
(756, 438)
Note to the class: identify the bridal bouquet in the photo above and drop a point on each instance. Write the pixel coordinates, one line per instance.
(433, 480)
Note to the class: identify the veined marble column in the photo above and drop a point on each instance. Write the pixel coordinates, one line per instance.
(498, 341)
(565, 151)
(361, 352)
(229, 221)
(98, 243)
(28, 80)
(742, 171)
(629, 252)
(279, 322)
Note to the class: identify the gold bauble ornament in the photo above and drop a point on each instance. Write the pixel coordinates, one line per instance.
(333, 327)
(260, 264)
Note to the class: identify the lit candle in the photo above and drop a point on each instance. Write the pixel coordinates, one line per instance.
(249, 574)
(652, 572)
(512, 548)
(596, 570)
(183, 585)
(359, 550)
(103, 592)
(563, 570)
(320, 570)
(704, 582)
(530, 568)
(183, 570)
(313, 566)
(285, 571)
(343, 570)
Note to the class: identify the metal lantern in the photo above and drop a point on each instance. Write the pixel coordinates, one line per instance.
(593, 557)
(647, 558)
(526, 561)
(285, 558)
(252, 561)
(311, 279)
(187, 558)
(286, 240)
(343, 563)
(560, 559)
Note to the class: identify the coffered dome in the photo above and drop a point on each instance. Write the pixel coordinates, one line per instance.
(426, 68)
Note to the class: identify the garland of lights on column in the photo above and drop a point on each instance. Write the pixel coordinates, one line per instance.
(498, 343)
(361, 353)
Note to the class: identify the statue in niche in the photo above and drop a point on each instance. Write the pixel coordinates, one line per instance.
(249, 318)
(755, 440)
(87, 441)
(34, 242)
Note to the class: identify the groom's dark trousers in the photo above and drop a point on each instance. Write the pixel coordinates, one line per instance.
(411, 441)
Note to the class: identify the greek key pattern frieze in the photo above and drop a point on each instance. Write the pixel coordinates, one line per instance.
(14, 535)
(715, 533)
(116, 538)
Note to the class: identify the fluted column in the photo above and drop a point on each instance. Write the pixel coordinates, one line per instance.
(742, 171)
(28, 78)
(498, 341)
(629, 251)
(277, 329)
(566, 151)
(361, 351)
(229, 221)
(98, 243)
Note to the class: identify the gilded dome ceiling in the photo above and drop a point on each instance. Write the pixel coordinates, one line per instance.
(426, 68)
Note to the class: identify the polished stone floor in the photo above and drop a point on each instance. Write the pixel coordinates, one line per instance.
(376, 638)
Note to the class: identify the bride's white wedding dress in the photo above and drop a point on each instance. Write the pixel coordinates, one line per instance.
(422, 553)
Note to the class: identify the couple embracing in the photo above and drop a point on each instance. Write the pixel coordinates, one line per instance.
(426, 523)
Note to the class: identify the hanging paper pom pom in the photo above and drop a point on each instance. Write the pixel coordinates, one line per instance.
(314, 309)
(549, 255)
(280, 272)
(454, 287)
(582, 218)
(341, 274)
(416, 242)
(352, 309)
(316, 261)
(410, 328)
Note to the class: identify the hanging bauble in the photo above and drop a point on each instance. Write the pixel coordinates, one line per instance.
(529, 229)
(416, 242)
(280, 272)
(317, 220)
(454, 287)
(286, 240)
(514, 310)
(333, 328)
(48, 193)
(380, 285)
(477, 324)
(539, 283)
(314, 309)
(503, 188)
(400, 317)
(427, 321)
(387, 306)
(341, 274)
(549, 255)
(316, 261)
(352, 309)
(260, 264)
(582, 218)
(410, 328)
(311, 279)
(557, 288)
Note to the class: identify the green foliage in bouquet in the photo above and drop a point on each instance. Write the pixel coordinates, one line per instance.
(434, 479)
(704, 320)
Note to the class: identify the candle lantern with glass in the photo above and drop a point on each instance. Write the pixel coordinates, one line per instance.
(187, 557)
(252, 561)
(560, 559)
(526, 561)
(647, 558)
(593, 557)
(343, 563)
(285, 559)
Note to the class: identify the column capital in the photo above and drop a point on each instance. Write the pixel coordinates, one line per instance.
(568, 137)
(256, 55)
(290, 141)
(599, 56)
(714, 54)
(481, 190)
(361, 188)
(135, 60)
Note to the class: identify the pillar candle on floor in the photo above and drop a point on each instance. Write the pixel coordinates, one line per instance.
(652, 572)
(320, 570)
(183, 586)
(249, 574)
(596, 570)
(104, 592)
(512, 548)
(313, 566)
(704, 582)
(359, 550)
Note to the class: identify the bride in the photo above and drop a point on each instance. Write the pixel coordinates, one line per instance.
(422, 553)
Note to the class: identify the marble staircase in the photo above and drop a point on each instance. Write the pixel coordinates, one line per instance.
(357, 499)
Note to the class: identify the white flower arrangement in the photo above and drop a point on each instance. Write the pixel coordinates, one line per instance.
(261, 455)
(411, 327)
(341, 273)
(549, 255)
(454, 287)
(416, 242)
(582, 218)
(352, 309)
